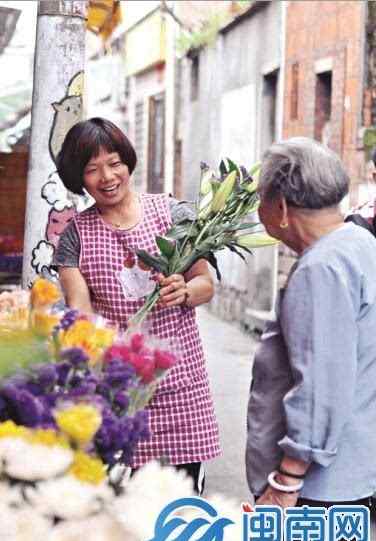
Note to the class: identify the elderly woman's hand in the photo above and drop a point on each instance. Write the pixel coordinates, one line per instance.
(173, 290)
(271, 496)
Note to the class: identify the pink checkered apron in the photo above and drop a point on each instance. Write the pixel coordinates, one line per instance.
(182, 419)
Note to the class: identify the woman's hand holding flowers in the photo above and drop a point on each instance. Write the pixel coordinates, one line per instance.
(174, 291)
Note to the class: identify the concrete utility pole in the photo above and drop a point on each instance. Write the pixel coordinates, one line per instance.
(56, 106)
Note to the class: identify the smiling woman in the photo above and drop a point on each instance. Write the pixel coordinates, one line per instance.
(100, 271)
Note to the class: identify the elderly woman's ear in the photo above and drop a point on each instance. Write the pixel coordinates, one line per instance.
(284, 213)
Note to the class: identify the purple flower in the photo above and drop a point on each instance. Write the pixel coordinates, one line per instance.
(104, 389)
(30, 410)
(47, 375)
(121, 399)
(68, 319)
(62, 372)
(75, 356)
(50, 399)
(32, 387)
(85, 388)
(119, 374)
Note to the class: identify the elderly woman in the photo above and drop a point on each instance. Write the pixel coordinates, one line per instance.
(312, 414)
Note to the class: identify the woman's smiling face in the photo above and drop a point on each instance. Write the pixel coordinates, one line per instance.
(106, 178)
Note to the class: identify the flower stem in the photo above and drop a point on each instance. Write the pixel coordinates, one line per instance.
(143, 312)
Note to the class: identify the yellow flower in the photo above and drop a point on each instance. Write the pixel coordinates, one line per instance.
(43, 322)
(88, 469)
(48, 437)
(80, 422)
(44, 293)
(9, 429)
(85, 335)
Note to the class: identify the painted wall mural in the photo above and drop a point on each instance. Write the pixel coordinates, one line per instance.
(62, 204)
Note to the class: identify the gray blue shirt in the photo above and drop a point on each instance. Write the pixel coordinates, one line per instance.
(313, 394)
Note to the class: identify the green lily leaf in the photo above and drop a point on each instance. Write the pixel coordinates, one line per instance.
(232, 248)
(154, 262)
(166, 246)
(212, 260)
(181, 230)
(254, 173)
(227, 166)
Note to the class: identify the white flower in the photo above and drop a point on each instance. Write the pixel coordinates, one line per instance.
(32, 462)
(99, 528)
(150, 489)
(67, 497)
(8, 527)
(10, 495)
(22, 525)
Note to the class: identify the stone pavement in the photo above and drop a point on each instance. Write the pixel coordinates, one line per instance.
(229, 353)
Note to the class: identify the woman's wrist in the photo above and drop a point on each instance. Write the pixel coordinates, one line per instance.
(188, 297)
(286, 480)
(284, 484)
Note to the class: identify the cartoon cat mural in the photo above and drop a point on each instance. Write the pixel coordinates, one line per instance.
(68, 112)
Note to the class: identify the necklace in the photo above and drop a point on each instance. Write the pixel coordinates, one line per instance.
(117, 225)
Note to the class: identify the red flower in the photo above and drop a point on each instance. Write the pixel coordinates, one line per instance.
(117, 351)
(144, 365)
(147, 371)
(137, 342)
(164, 359)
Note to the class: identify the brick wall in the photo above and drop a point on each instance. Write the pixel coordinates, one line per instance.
(13, 173)
(319, 38)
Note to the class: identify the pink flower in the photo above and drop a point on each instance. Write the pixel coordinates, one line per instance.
(117, 351)
(164, 359)
(137, 342)
(147, 371)
(144, 365)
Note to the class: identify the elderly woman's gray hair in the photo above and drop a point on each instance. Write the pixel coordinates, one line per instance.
(306, 173)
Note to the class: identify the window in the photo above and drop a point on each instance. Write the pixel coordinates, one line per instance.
(294, 91)
(323, 107)
(269, 103)
(156, 143)
(195, 77)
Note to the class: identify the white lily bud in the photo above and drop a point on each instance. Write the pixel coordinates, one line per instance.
(205, 185)
(205, 204)
(224, 192)
(256, 240)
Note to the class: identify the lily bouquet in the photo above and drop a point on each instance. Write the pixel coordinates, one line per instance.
(225, 200)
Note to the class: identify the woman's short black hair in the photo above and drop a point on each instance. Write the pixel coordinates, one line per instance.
(83, 142)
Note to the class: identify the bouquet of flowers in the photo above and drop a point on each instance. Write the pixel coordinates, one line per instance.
(85, 364)
(224, 202)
